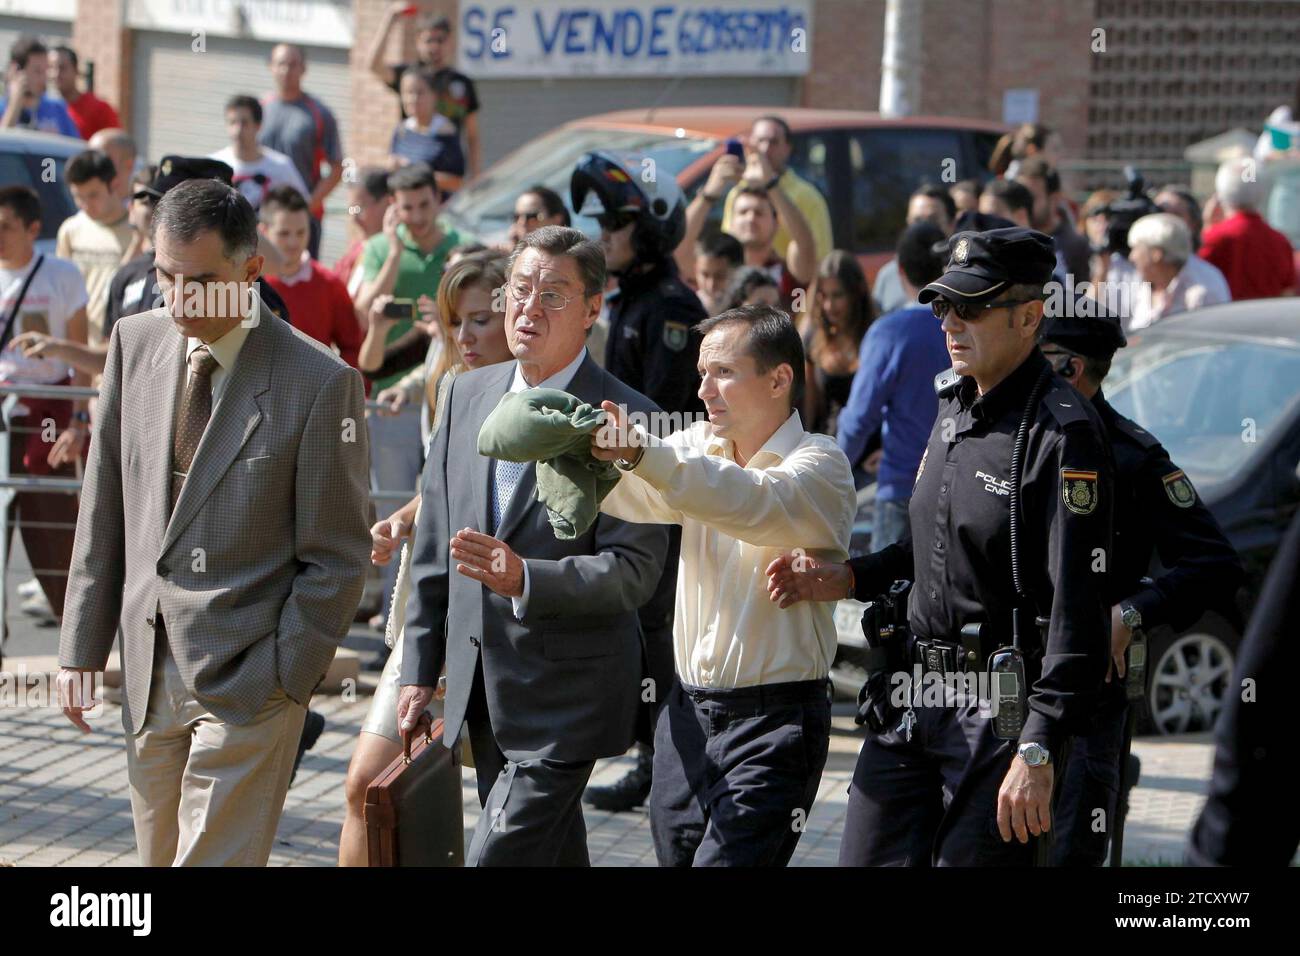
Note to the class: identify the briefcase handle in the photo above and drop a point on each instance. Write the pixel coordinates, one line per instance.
(423, 725)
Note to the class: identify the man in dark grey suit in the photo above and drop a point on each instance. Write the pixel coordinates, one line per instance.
(539, 636)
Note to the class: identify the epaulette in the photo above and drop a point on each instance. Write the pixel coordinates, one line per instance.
(1136, 432)
(946, 382)
(1068, 406)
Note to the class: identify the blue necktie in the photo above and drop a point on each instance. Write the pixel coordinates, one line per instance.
(505, 481)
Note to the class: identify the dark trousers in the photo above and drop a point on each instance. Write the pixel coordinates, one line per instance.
(47, 520)
(1091, 783)
(532, 809)
(932, 800)
(736, 772)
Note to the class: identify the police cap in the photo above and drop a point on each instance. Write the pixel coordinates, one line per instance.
(174, 170)
(983, 265)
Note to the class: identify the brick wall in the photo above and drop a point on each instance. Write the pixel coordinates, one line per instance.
(98, 35)
(845, 69)
(374, 107)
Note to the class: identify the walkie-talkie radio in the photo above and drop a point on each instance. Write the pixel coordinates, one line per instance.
(1009, 692)
(1136, 677)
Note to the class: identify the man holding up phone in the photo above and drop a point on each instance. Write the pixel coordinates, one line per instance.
(404, 261)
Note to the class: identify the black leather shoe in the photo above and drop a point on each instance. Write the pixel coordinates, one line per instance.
(312, 728)
(629, 792)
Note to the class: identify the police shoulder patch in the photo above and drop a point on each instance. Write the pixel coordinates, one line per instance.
(1179, 489)
(1067, 406)
(1079, 490)
(675, 335)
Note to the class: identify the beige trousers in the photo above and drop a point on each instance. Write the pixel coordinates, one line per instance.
(205, 792)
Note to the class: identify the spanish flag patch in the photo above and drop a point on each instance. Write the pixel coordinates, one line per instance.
(1079, 490)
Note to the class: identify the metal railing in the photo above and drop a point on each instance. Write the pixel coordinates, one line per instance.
(12, 485)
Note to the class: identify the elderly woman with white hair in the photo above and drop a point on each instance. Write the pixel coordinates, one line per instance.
(1161, 246)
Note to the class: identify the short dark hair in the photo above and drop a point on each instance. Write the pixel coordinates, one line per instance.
(243, 101)
(1012, 193)
(745, 281)
(374, 180)
(917, 259)
(24, 48)
(745, 189)
(563, 241)
(773, 118)
(285, 198)
(1039, 168)
(70, 53)
(24, 202)
(87, 165)
(196, 206)
(772, 340)
(551, 201)
(414, 176)
(940, 195)
(972, 186)
(424, 75)
(722, 245)
(434, 21)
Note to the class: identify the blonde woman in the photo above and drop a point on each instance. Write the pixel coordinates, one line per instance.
(469, 322)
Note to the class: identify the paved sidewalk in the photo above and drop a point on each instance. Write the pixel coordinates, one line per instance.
(64, 801)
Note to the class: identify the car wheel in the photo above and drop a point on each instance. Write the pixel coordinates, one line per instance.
(1191, 674)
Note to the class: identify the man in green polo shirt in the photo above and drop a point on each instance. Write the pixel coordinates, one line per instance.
(770, 136)
(404, 261)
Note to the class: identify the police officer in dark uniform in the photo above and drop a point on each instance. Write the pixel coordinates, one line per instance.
(940, 779)
(652, 347)
(1156, 512)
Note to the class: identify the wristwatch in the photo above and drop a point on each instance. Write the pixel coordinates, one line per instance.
(1130, 615)
(1034, 755)
(628, 464)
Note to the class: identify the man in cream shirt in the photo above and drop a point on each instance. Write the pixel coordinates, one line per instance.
(742, 738)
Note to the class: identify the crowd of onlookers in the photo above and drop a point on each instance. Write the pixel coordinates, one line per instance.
(871, 350)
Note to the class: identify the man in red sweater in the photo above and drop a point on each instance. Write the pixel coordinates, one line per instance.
(1254, 257)
(319, 304)
(88, 111)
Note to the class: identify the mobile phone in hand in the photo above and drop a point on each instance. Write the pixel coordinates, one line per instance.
(735, 148)
(400, 309)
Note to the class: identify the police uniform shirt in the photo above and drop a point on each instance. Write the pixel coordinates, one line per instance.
(1157, 510)
(796, 492)
(959, 555)
(652, 346)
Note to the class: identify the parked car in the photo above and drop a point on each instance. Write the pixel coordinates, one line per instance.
(28, 158)
(1220, 388)
(865, 165)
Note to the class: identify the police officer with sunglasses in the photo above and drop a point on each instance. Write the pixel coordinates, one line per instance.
(1004, 658)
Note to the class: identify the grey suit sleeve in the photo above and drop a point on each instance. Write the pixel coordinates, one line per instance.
(424, 647)
(331, 534)
(621, 576)
(93, 606)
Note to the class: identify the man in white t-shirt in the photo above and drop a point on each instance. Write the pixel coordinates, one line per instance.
(43, 294)
(97, 237)
(257, 169)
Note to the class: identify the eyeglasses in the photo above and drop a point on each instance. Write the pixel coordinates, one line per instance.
(551, 301)
(970, 313)
(527, 216)
(614, 221)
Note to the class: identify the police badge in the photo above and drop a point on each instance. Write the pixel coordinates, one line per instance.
(961, 251)
(675, 334)
(1179, 489)
(1079, 490)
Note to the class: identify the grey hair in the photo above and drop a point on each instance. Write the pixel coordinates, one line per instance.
(1163, 231)
(197, 206)
(1236, 184)
(564, 241)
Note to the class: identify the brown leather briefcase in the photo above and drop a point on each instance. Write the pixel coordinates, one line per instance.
(413, 809)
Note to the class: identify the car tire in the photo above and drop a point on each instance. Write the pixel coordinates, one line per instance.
(1190, 676)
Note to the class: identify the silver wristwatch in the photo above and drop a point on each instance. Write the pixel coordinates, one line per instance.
(1034, 755)
(1130, 615)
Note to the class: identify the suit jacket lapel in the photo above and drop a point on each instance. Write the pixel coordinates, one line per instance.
(165, 391)
(233, 420)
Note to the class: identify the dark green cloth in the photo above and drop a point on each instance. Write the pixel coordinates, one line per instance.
(553, 428)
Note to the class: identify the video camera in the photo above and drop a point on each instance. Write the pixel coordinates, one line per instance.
(1122, 213)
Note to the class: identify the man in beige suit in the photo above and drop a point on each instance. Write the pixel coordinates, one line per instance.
(222, 533)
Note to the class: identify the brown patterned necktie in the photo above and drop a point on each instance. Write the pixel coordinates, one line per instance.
(195, 411)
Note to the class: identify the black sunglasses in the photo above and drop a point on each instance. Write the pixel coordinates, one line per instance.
(614, 221)
(970, 313)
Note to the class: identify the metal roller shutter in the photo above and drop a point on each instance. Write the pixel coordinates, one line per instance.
(179, 96)
(514, 111)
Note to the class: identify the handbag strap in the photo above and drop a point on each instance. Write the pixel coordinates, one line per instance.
(18, 304)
